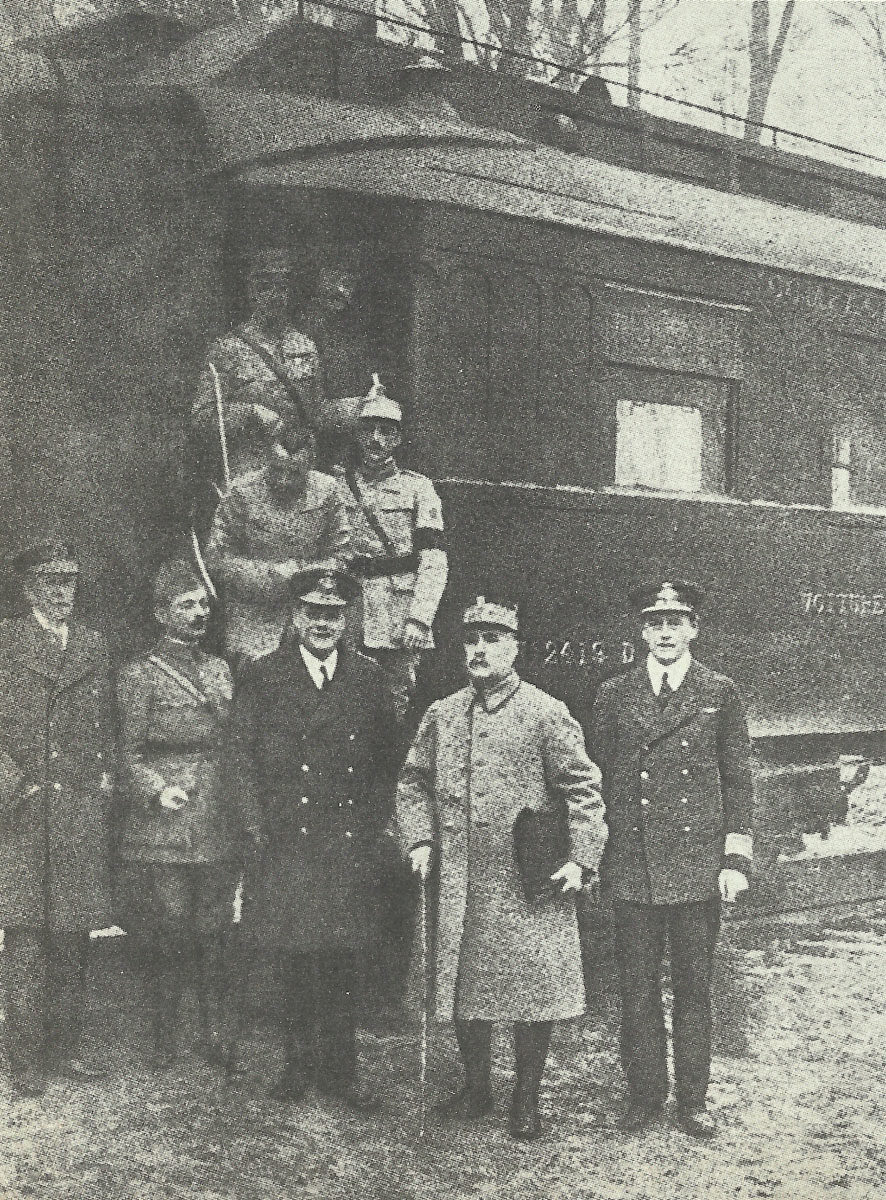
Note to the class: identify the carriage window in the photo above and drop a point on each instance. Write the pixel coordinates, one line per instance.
(672, 431)
(658, 446)
(856, 396)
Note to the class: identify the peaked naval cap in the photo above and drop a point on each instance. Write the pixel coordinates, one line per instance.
(668, 596)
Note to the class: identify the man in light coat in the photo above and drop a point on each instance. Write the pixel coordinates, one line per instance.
(480, 757)
(56, 765)
(672, 740)
(274, 526)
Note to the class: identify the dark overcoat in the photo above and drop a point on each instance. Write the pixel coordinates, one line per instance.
(472, 768)
(174, 705)
(56, 730)
(319, 767)
(676, 784)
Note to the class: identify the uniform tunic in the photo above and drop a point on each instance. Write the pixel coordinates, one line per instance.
(56, 729)
(472, 768)
(245, 379)
(253, 530)
(408, 509)
(318, 766)
(676, 784)
(173, 732)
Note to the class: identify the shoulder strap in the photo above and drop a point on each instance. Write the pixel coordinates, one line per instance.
(176, 676)
(370, 514)
(279, 374)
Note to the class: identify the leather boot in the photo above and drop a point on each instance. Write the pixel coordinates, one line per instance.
(474, 1099)
(531, 1041)
(212, 1044)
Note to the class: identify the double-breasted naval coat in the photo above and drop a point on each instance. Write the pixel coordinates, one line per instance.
(174, 705)
(676, 784)
(473, 766)
(56, 731)
(318, 765)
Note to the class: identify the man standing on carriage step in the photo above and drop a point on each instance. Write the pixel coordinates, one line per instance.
(183, 832)
(263, 372)
(481, 758)
(312, 746)
(399, 552)
(671, 738)
(275, 526)
(56, 778)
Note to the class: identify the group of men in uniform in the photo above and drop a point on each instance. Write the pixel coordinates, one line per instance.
(283, 759)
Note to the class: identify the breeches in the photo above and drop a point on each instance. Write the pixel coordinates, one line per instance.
(45, 976)
(640, 931)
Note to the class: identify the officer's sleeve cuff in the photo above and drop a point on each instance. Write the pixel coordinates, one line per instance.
(418, 846)
(739, 844)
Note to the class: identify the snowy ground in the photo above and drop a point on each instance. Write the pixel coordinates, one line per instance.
(797, 1082)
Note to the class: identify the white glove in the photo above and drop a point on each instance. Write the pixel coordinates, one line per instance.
(731, 884)
(173, 797)
(420, 860)
(571, 874)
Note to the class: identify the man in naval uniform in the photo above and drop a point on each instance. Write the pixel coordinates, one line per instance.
(313, 748)
(671, 738)
(261, 373)
(397, 529)
(56, 766)
(275, 525)
(183, 827)
(482, 756)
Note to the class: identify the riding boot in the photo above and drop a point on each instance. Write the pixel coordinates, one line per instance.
(531, 1041)
(474, 1100)
(212, 1043)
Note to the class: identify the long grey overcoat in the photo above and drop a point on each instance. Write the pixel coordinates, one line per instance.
(56, 730)
(472, 768)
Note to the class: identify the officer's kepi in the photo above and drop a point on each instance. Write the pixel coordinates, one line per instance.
(667, 596)
(499, 614)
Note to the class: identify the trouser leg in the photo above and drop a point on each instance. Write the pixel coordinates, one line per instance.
(25, 969)
(693, 930)
(639, 948)
(475, 1044)
(337, 1027)
(299, 1010)
(213, 886)
(172, 949)
(65, 992)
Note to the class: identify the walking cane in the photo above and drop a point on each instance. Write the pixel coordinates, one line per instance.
(423, 1073)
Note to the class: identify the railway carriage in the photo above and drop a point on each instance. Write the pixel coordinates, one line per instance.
(623, 346)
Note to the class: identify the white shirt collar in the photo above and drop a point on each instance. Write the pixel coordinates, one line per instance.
(57, 631)
(676, 671)
(314, 664)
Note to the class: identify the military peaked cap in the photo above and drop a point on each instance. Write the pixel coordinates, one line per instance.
(50, 557)
(487, 610)
(331, 589)
(667, 596)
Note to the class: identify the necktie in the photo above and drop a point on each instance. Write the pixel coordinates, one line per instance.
(324, 677)
(665, 691)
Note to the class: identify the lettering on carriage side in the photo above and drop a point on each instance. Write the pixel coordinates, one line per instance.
(831, 298)
(579, 653)
(843, 604)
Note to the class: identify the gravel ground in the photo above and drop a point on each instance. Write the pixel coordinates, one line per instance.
(797, 1082)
